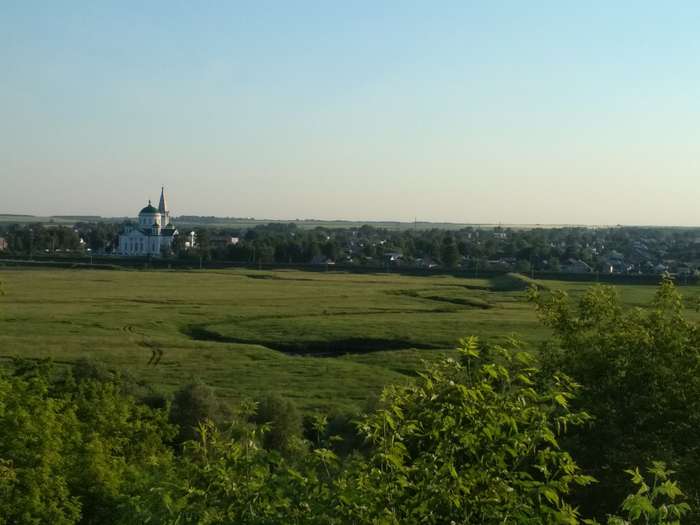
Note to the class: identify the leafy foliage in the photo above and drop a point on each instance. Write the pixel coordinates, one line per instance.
(473, 442)
(193, 403)
(283, 424)
(641, 371)
(228, 477)
(36, 433)
(72, 452)
(655, 503)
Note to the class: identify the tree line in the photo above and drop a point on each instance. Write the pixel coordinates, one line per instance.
(618, 250)
(36, 239)
(634, 250)
(599, 425)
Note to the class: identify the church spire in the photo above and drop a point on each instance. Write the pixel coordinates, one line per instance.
(162, 207)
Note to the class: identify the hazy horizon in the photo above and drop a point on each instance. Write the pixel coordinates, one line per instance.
(261, 219)
(482, 114)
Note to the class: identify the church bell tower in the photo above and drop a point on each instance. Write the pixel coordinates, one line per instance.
(163, 208)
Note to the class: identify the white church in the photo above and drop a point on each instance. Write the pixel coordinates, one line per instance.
(153, 234)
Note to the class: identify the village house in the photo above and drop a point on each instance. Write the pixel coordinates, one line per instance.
(222, 241)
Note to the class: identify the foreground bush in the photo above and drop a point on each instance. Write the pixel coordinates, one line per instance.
(474, 441)
(282, 422)
(658, 502)
(641, 374)
(73, 452)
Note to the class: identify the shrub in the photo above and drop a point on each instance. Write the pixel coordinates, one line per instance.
(283, 424)
(641, 374)
(193, 404)
(473, 442)
(73, 452)
(658, 502)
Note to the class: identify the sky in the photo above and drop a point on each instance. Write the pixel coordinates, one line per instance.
(542, 112)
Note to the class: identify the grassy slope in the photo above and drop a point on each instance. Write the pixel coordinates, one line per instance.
(123, 317)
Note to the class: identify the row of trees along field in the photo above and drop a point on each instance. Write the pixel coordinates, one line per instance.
(627, 250)
(30, 239)
(630, 250)
(602, 425)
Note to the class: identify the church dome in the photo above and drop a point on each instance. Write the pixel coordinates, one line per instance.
(148, 209)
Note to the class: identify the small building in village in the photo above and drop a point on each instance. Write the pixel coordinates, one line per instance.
(222, 241)
(153, 235)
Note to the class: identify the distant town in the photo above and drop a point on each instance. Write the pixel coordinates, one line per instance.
(570, 249)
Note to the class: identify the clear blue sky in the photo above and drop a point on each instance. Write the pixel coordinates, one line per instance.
(493, 111)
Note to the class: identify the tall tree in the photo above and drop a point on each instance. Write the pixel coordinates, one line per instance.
(449, 254)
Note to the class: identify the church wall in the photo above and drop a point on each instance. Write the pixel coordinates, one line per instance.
(147, 220)
(130, 244)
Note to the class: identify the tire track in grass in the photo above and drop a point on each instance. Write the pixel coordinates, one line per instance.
(156, 349)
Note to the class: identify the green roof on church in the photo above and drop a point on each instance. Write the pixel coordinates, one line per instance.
(149, 209)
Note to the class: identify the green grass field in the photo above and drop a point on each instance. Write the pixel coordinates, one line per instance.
(325, 340)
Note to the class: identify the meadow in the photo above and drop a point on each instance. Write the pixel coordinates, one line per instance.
(327, 340)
